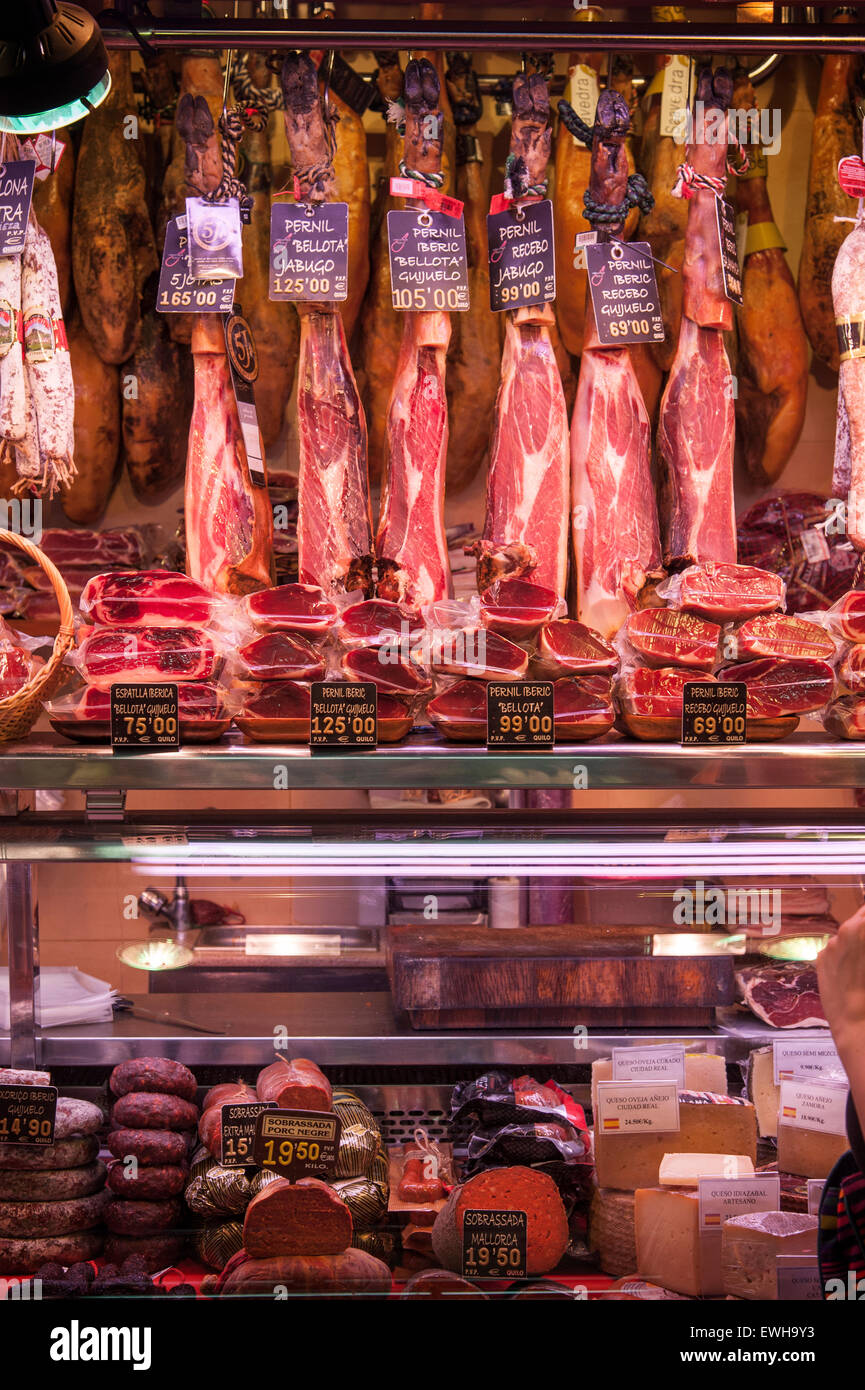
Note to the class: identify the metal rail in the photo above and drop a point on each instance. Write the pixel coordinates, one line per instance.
(515, 37)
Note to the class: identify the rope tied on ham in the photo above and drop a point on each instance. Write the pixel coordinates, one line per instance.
(637, 191)
(431, 178)
(688, 180)
(232, 125)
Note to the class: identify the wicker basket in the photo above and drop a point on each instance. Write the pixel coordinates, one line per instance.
(19, 712)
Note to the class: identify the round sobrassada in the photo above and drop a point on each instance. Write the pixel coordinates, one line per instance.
(506, 1189)
(32, 1219)
(137, 1218)
(153, 1074)
(155, 1251)
(153, 1110)
(53, 1186)
(76, 1117)
(67, 1153)
(150, 1146)
(26, 1256)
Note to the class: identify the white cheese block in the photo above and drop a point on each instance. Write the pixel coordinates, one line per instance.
(708, 1124)
(704, 1071)
(670, 1249)
(763, 1091)
(750, 1244)
(686, 1170)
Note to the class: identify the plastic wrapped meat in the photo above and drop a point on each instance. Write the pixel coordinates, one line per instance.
(516, 608)
(391, 676)
(798, 535)
(111, 655)
(777, 688)
(783, 635)
(665, 637)
(569, 648)
(723, 592)
(845, 718)
(151, 598)
(852, 670)
(583, 710)
(377, 621)
(477, 652)
(291, 608)
(278, 712)
(95, 549)
(278, 656)
(85, 716)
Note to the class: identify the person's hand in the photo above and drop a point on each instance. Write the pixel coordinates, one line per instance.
(841, 977)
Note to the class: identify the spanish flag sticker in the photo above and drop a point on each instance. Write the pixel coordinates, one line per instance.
(611, 1124)
(789, 1112)
(712, 1218)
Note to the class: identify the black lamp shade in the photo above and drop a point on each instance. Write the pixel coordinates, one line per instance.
(51, 54)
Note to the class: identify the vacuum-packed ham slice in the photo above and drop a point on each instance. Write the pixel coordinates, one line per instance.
(149, 598)
(291, 608)
(277, 656)
(852, 669)
(723, 592)
(516, 608)
(784, 994)
(667, 637)
(477, 652)
(98, 550)
(653, 693)
(569, 648)
(783, 635)
(845, 718)
(196, 701)
(583, 709)
(782, 687)
(394, 677)
(279, 712)
(111, 655)
(376, 621)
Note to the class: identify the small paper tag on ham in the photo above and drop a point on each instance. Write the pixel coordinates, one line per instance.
(675, 97)
(428, 262)
(583, 95)
(522, 257)
(581, 241)
(851, 176)
(413, 188)
(39, 150)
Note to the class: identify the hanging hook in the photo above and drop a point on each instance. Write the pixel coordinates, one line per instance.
(53, 150)
(327, 76)
(229, 59)
(524, 62)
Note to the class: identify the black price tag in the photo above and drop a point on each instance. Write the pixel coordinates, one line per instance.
(16, 191)
(428, 265)
(145, 717)
(297, 1143)
(243, 365)
(726, 220)
(215, 247)
(27, 1114)
(238, 1123)
(309, 252)
(522, 256)
(343, 714)
(520, 714)
(495, 1244)
(714, 713)
(179, 292)
(624, 293)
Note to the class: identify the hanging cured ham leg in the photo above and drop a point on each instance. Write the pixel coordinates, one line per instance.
(334, 532)
(528, 485)
(696, 428)
(615, 519)
(229, 523)
(413, 563)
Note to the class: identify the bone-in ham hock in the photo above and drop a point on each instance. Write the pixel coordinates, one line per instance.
(413, 565)
(334, 533)
(528, 485)
(229, 523)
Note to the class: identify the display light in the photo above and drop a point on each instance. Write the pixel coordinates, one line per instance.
(53, 65)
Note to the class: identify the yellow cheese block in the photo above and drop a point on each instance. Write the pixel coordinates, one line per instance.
(611, 1231)
(809, 1153)
(763, 1091)
(708, 1124)
(686, 1170)
(750, 1244)
(704, 1071)
(670, 1250)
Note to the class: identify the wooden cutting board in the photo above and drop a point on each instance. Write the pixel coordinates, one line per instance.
(548, 977)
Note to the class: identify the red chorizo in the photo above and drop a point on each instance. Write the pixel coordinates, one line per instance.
(150, 1183)
(153, 1110)
(153, 1146)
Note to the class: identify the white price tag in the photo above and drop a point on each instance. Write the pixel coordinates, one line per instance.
(583, 94)
(650, 1064)
(637, 1107)
(676, 97)
(817, 1057)
(815, 1105)
(798, 1278)
(721, 1198)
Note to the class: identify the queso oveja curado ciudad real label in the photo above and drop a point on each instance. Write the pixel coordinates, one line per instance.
(309, 252)
(145, 717)
(520, 714)
(428, 265)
